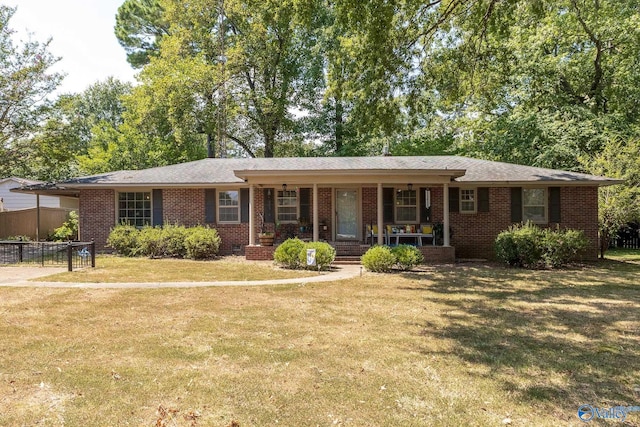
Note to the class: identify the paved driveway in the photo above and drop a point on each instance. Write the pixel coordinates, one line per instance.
(12, 275)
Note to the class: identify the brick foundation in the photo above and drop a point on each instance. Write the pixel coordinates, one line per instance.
(259, 253)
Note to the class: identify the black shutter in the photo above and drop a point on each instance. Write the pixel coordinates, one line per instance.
(454, 199)
(244, 205)
(516, 204)
(305, 204)
(387, 205)
(554, 204)
(210, 205)
(269, 206)
(483, 199)
(425, 212)
(156, 216)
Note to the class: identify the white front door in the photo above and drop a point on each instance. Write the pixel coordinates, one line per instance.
(347, 222)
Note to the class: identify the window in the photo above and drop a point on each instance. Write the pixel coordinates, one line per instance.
(134, 209)
(534, 205)
(228, 206)
(406, 206)
(468, 200)
(287, 205)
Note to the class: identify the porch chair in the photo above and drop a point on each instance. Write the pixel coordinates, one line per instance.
(427, 231)
(372, 234)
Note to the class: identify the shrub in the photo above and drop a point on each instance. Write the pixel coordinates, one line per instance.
(288, 253)
(202, 242)
(407, 256)
(529, 246)
(150, 242)
(378, 259)
(325, 255)
(68, 230)
(562, 246)
(173, 237)
(124, 240)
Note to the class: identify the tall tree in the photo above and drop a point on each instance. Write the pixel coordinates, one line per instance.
(140, 25)
(25, 83)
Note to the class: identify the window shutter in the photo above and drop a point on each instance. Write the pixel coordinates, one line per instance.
(244, 205)
(516, 204)
(157, 215)
(269, 206)
(483, 199)
(387, 204)
(554, 204)
(425, 212)
(454, 199)
(305, 204)
(210, 205)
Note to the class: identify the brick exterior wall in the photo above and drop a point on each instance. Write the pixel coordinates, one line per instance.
(473, 234)
(97, 211)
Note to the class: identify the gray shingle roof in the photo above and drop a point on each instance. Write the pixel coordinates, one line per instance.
(230, 171)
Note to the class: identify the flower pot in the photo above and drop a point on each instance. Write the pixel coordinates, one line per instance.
(266, 239)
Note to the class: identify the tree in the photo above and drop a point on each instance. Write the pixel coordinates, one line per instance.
(617, 204)
(25, 83)
(140, 25)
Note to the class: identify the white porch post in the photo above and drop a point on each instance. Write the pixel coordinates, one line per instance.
(380, 218)
(252, 231)
(316, 221)
(445, 222)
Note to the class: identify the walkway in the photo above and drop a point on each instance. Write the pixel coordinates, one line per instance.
(21, 276)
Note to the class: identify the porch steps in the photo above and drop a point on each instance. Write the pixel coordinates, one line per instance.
(349, 249)
(347, 260)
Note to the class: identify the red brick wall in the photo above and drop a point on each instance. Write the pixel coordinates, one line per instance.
(183, 206)
(97, 215)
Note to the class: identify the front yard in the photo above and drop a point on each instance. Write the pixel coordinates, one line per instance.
(464, 345)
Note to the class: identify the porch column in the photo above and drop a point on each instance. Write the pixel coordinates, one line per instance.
(445, 210)
(252, 231)
(316, 221)
(380, 219)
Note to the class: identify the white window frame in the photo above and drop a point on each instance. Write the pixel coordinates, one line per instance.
(473, 200)
(221, 207)
(396, 205)
(545, 204)
(131, 220)
(280, 196)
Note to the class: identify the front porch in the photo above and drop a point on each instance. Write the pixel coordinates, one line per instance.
(432, 254)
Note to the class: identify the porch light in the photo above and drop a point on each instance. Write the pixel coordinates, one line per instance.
(409, 186)
(284, 187)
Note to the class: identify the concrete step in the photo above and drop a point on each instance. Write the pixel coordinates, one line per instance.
(347, 259)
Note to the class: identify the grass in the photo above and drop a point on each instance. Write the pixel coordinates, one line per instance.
(138, 270)
(466, 345)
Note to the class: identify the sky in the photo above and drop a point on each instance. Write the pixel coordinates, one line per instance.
(82, 35)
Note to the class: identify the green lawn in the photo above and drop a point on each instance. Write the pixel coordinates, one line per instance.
(466, 345)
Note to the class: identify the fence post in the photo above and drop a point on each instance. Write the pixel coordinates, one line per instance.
(69, 257)
(93, 254)
(20, 251)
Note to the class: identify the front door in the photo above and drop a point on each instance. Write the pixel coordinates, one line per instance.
(347, 214)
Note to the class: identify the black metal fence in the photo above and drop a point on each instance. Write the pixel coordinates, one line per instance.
(73, 255)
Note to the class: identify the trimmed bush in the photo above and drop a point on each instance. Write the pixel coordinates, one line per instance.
(407, 256)
(287, 254)
(68, 230)
(562, 247)
(202, 242)
(124, 240)
(325, 255)
(529, 246)
(150, 242)
(173, 237)
(378, 259)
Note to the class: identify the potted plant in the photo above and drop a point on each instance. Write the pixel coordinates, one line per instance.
(266, 237)
(303, 223)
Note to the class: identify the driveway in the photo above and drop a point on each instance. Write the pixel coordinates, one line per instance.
(20, 277)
